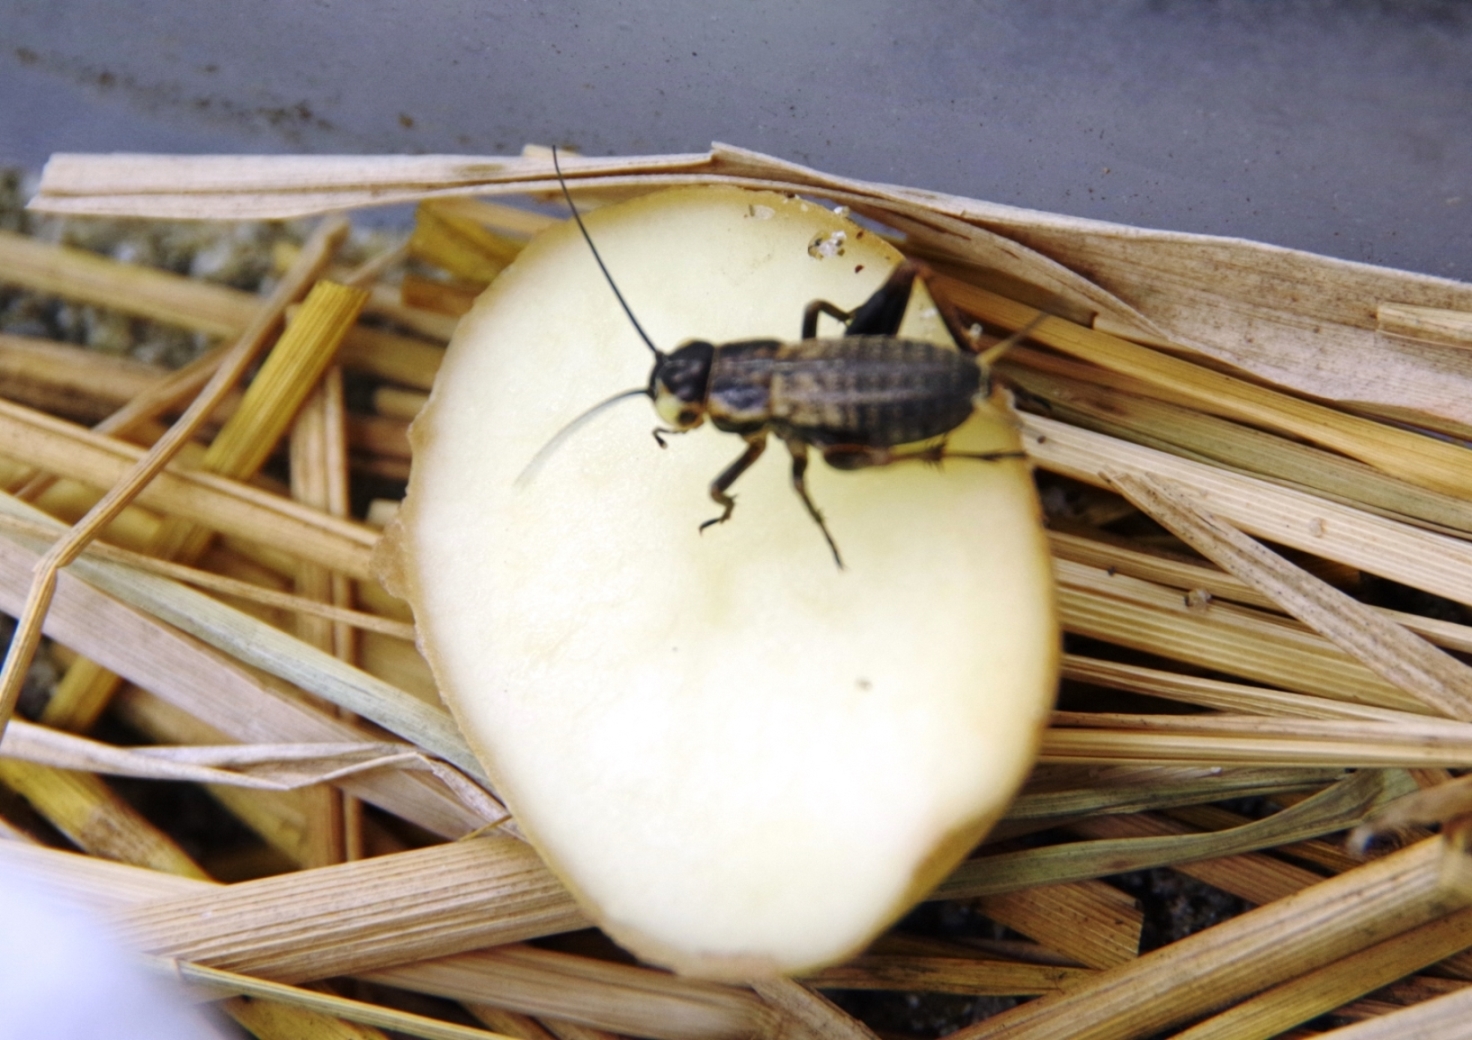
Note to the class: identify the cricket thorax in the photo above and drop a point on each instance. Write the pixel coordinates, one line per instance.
(739, 396)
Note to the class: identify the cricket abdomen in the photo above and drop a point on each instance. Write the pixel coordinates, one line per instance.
(873, 391)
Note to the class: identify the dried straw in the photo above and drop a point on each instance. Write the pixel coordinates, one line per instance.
(1196, 376)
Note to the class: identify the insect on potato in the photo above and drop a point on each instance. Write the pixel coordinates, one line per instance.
(867, 398)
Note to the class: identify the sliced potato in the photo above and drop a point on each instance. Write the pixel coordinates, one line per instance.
(741, 759)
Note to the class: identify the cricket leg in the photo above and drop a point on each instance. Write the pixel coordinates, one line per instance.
(799, 452)
(755, 445)
(958, 328)
(810, 316)
(857, 456)
(881, 313)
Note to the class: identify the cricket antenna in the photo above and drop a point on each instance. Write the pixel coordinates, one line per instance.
(557, 167)
(527, 475)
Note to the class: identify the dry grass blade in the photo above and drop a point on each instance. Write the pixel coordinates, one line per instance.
(1118, 747)
(28, 633)
(635, 1000)
(387, 302)
(1218, 584)
(509, 221)
(1421, 559)
(267, 767)
(572, 1031)
(1388, 649)
(95, 819)
(1255, 877)
(286, 657)
(215, 502)
(1225, 638)
(222, 584)
(1217, 693)
(818, 1017)
(211, 309)
(202, 682)
(173, 391)
(1339, 806)
(1072, 391)
(1087, 921)
(1408, 729)
(234, 187)
(947, 975)
(318, 462)
(286, 376)
(398, 404)
(162, 296)
(459, 245)
(61, 377)
(276, 652)
(617, 997)
(97, 884)
(451, 299)
(1160, 788)
(269, 1020)
(1440, 1018)
(512, 1023)
(1432, 324)
(1247, 954)
(1162, 570)
(1422, 460)
(355, 917)
(287, 822)
(1411, 742)
(217, 983)
(1271, 1012)
(1434, 805)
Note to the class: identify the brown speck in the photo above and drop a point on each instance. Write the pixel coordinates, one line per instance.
(406, 121)
(27, 56)
(864, 684)
(858, 268)
(1111, 570)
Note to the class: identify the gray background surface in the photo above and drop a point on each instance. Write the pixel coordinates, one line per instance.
(1341, 127)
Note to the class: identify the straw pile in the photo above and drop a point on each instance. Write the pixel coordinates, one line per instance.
(1260, 513)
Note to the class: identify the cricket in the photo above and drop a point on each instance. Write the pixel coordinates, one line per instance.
(867, 398)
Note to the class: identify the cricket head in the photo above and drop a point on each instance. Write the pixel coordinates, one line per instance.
(679, 382)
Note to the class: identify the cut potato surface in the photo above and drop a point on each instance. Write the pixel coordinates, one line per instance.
(741, 759)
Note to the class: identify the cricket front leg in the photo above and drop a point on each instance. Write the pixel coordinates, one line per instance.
(799, 452)
(756, 443)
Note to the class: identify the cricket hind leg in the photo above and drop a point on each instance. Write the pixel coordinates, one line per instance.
(799, 451)
(883, 312)
(816, 307)
(858, 456)
(755, 444)
(879, 315)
